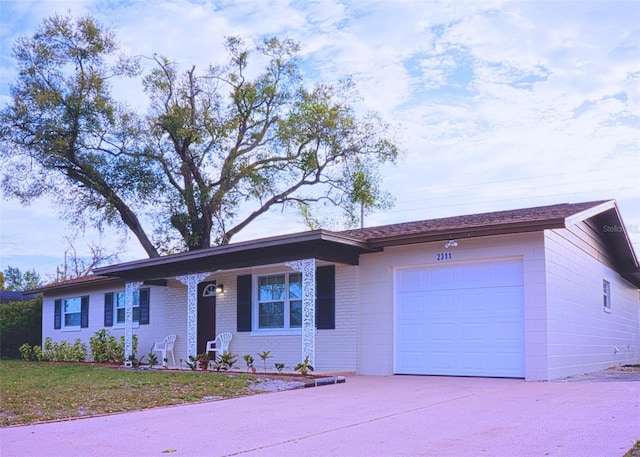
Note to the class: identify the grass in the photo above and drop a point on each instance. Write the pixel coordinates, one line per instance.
(44, 391)
(634, 451)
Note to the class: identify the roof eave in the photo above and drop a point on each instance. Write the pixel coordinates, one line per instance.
(468, 232)
(320, 244)
(67, 285)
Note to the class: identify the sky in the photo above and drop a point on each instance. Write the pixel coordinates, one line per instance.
(497, 105)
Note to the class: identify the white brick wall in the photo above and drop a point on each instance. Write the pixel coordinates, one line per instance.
(175, 319)
(376, 311)
(336, 350)
(582, 336)
(147, 334)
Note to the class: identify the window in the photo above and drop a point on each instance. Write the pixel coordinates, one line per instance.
(279, 304)
(247, 304)
(120, 305)
(71, 310)
(71, 313)
(114, 308)
(606, 295)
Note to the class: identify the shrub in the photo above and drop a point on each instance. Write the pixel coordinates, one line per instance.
(61, 352)
(20, 323)
(264, 355)
(304, 367)
(25, 351)
(249, 361)
(29, 353)
(105, 347)
(225, 361)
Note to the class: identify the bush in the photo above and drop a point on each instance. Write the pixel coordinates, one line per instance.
(30, 353)
(105, 348)
(55, 352)
(64, 351)
(20, 323)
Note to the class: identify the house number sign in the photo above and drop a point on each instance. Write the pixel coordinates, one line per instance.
(440, 256)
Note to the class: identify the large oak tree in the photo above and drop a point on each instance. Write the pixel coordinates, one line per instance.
(215, 150)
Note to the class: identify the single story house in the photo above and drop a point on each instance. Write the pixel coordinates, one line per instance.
(537, 293)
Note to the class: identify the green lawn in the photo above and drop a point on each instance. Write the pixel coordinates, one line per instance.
(41, 391)
(634, 451)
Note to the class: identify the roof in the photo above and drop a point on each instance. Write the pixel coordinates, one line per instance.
(603, 213)
(318, 244)
(347, 246)
(473, 225)
(80, 282)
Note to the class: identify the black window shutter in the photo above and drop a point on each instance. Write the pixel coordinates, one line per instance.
(244, 303)
(84, 311)
(144, 306)
(57, 314)
(326, 297)
(108, 309)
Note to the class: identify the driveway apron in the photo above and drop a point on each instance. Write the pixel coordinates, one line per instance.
(365, 416)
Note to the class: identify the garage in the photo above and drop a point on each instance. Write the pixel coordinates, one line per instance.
(460, 319)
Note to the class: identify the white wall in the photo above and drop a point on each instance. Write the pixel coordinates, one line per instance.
(336, 350)
(174, 312)
(377, 301)
(147, 334)
(582, 335)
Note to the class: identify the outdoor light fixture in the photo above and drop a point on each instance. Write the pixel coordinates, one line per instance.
(450, 244)
(212, 290)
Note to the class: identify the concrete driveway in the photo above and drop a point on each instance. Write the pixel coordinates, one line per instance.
(366, 416)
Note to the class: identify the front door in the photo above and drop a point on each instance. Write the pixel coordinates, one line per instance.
(206, 315)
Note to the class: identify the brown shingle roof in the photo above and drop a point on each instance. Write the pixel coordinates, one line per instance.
(528, 218)
(84, 281)
(347, 246)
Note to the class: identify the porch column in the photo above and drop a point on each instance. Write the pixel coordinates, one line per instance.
(129, 289)
(192, 281)
(308, 269)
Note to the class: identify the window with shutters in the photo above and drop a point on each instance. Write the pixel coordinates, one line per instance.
(273, 303)
(279, 301)
(71, 313)
(119, 305)
(114, 308)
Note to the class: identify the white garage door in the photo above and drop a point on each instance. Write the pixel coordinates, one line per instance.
(460, 319)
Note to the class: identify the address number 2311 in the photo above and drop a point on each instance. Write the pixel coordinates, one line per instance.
(444, 256)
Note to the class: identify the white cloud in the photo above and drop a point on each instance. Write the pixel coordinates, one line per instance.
(501, 104)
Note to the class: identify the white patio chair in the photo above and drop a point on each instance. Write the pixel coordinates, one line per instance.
(220, 345)
(165, 347)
